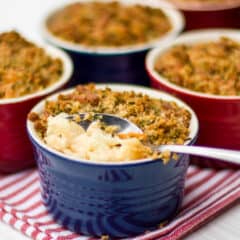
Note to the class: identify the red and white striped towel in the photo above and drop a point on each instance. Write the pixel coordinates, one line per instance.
(207, 192)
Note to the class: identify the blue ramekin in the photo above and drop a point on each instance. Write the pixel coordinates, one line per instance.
(118, 199)
(120, 64)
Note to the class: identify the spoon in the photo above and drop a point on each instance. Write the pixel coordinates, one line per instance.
(222, 155)
(124, 126)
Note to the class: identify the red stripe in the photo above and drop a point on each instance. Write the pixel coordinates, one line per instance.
(193, 173)
(2, 214)
(219, 185)
(55, 230)
(31, 207)
(199, 182)
(17, 180)
(47, 238)
(194, 222)
(25, 217)
(69, 237)
(26, 210)
(209, 191)
(12, 221)
(26, 198)
(40, 215)
(39, 224)
(34, 234)
(19, 190)
(24, 227)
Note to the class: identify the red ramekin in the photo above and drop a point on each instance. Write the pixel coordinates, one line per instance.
(219, 116)
(16, 151)
(198, 15)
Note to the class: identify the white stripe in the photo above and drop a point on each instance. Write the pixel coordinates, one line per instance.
(197, 178)
(50, 226)
(32, 221)
(191, 169)
(30, 230)
(56, 234)
(23, 194)
(64, 233)
(18, 224)
(21, 215)
(40, 209)
(45, 219)
(202, 188)
(28, 203)
(7, 208)
(18, 185)
(7, 217)
(40, 236)
(13, 177)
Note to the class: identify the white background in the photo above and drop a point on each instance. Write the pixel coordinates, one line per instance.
(25, 16)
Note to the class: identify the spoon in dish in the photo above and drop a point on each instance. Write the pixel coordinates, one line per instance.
(124, 126)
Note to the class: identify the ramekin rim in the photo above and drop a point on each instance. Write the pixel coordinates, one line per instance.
(65, 77)
(156, 52)
(205, 7)
(176, 17)
(194, 124)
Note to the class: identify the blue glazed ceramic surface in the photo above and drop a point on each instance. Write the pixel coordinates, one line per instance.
(115, 200)
(121, 199)
(121, 68)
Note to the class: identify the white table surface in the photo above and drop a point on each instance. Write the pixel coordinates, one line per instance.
(25, 16)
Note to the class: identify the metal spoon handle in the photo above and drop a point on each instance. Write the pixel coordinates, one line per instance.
(228, 156)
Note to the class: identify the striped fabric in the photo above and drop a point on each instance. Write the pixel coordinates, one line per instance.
(207, 192)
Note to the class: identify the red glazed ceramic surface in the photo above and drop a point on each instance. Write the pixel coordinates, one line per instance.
(219, 116)
(16, 151)
(210, 15)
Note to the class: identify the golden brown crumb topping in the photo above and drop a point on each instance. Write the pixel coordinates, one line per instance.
(24, 67)
(212, 67)
(162, 122)
(108, 24)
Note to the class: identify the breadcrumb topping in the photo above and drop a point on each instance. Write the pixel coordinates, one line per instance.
(24, 67)
(108, 24)
(211, 67)
(162, 122)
